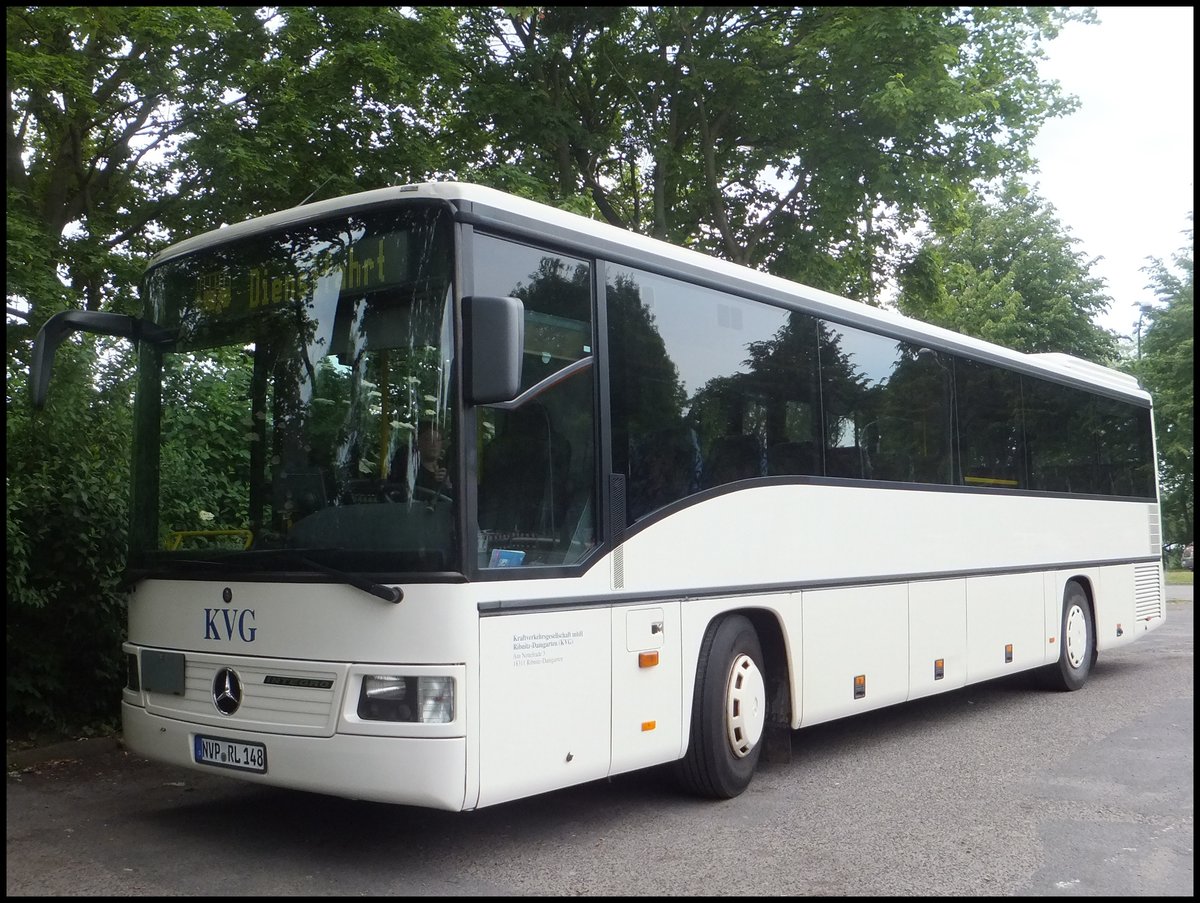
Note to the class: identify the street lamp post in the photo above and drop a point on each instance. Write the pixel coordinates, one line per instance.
(1143, 309)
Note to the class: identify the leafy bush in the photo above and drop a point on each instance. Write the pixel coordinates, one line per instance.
(67, 504)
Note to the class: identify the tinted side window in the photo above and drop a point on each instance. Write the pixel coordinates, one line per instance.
(990, 431)
(1061, 434)
(1083, 443)
(706, 389)
(537, 462)
(1125, 465)
(886, 408)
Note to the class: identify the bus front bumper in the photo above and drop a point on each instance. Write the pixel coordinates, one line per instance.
(429, 772)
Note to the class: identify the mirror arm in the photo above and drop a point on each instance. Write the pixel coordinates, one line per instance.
(549, 382)
(62, 324)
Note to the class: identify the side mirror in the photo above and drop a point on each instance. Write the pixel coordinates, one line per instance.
(59, 326)
(494, 333)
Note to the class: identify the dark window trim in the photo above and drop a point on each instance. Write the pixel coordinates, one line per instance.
(499, 608)
(466, 423)
(608, 532)
(889, 485)
(601, 254)
(137, 575)
(474, 573)
(952, 457)
(604, 250)
(285, 221)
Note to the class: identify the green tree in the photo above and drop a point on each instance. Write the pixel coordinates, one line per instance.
(1010, 275)
(132, 125)
(66, 516)
(329, 101)
(1166, 369)
(803, 140)
(96, 98)
(127, 128)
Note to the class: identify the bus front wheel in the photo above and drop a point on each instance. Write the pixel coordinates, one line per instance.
(1077, 643)
(728, 711)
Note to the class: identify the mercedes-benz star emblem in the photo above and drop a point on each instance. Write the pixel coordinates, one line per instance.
(227, 691)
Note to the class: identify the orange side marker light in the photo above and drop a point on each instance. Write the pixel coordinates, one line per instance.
(860, 686)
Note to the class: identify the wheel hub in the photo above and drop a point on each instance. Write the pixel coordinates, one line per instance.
(1076, 636)
(745, 706)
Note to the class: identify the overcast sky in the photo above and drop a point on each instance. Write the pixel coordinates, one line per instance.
(1119, 171)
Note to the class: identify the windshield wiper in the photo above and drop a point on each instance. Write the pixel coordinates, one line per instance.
(240, 560)
(391, 594)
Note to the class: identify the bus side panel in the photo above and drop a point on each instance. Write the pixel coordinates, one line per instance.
(851, 633)
(545, 702)
(1003, 611)
(937, 621)
(647, 682)
(1115, 594)
(1053, 586)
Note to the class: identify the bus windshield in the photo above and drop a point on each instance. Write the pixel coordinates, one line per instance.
(306, 402)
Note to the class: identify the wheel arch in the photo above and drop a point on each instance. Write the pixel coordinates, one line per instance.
(741, 646)
(1085, 583)
(769, 627)
(1065, 674)
(1089, 591)
(771, 624)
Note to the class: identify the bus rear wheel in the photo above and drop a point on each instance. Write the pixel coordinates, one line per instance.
(728, 711)
(1077, 643)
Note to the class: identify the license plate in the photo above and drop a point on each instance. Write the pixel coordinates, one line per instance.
(231, 754)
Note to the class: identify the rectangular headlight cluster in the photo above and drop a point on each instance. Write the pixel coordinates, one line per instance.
(423, 700)
(132, 679)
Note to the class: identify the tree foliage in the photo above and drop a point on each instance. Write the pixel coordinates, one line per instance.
(96, 96)
(132, 125)
(1166, 368)
(803, 140)
(331, 100)
(66, 507)
(129, 127)
(1009, 274)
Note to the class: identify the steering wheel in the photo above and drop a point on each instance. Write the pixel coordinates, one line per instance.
(394, 493)
(425, 494)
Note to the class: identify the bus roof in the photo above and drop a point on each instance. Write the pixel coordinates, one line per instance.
(536, 221)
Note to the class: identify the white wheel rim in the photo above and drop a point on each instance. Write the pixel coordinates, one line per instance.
(1076, 636)
(745, 706)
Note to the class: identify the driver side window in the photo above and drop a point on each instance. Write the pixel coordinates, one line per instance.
(537, 457)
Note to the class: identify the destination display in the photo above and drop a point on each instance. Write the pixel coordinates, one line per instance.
(370, 264)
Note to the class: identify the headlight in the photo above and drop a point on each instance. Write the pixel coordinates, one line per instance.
(385, 688)
(132, 681)
(424, 700)
(435, 699)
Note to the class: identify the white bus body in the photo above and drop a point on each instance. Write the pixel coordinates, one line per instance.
(861, 593)
(533, 678)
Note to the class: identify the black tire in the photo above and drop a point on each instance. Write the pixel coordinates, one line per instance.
(724, 747)
(1077, 644)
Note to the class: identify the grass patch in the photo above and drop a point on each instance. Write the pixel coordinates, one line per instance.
(1180, 578)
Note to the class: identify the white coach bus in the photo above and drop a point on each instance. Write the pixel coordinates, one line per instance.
(498, 499)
